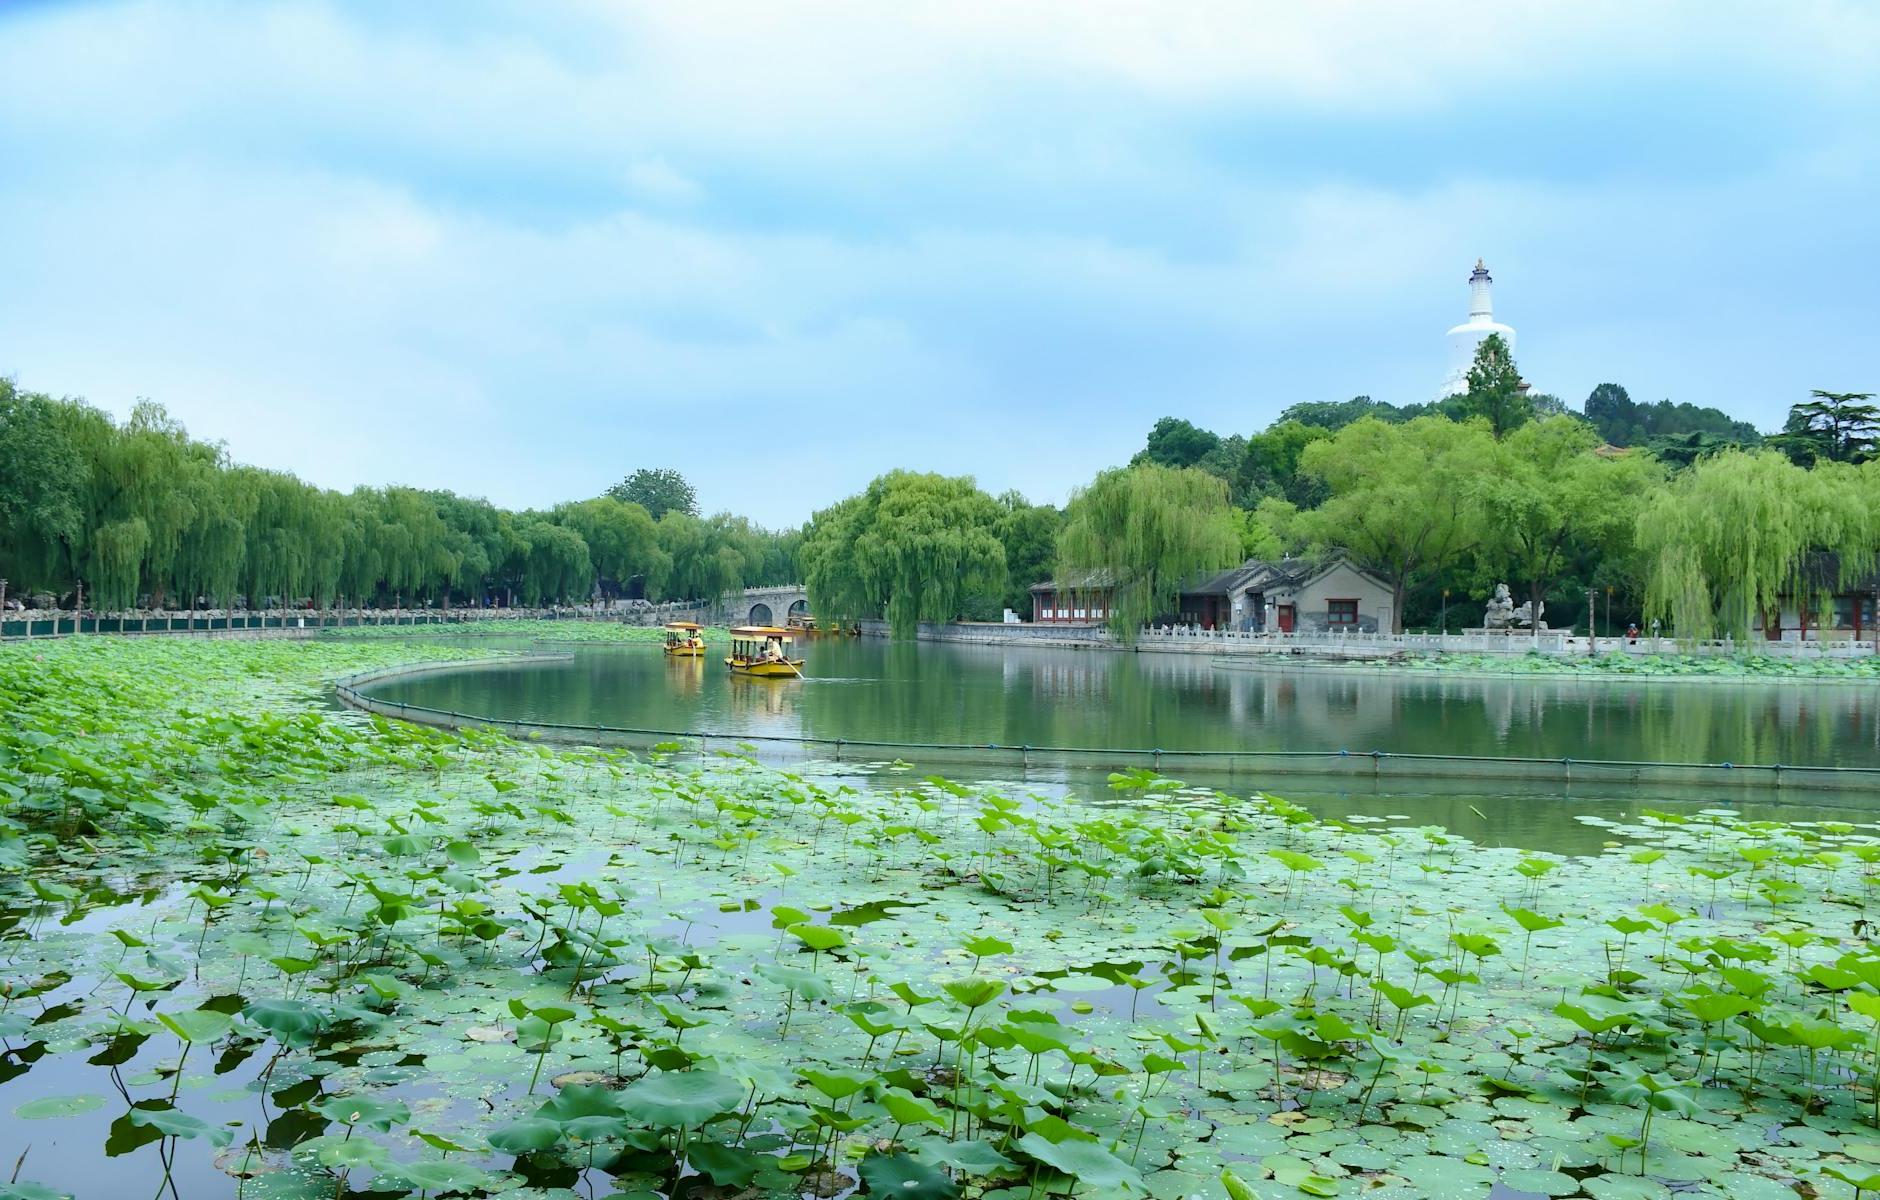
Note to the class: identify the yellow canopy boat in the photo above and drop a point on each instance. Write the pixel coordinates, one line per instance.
(683, 640)
(764, 651)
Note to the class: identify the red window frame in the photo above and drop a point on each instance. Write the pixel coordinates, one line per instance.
(1334, 615)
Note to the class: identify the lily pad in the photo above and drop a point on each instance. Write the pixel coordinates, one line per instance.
(59, 1106)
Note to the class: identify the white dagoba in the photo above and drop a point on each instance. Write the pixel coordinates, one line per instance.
(1464, 338)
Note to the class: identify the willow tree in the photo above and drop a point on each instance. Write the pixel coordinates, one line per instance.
(43, 479)
(1404, 498)
(697, 562)
(554, 566)
(622, 540)
(827, 556)
(911, 548)
(287, 536)
(117, 557)
(1739, 533)
(215, 545)
(1141, 531)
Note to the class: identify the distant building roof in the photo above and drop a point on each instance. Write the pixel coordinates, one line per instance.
(1270, 573)
(1267, 572)
(1279, 572)
(1087, 581)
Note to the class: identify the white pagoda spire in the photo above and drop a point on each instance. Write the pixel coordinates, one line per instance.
(1481, 293)
(1464, 338)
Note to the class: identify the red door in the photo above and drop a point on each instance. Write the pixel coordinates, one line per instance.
(1285, 618)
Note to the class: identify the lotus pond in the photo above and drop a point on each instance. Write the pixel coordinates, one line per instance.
(257, 947)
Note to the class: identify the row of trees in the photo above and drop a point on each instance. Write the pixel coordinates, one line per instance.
(1491, 486)
(140, 512)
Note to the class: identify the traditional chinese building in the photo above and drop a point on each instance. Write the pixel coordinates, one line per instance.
(1289, 595)
(1083, 600)
(1829, 608)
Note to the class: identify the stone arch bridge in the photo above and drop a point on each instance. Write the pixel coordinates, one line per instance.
(749, 606)
(765, 605)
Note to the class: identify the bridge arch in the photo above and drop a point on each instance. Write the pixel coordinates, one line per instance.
(759, 614)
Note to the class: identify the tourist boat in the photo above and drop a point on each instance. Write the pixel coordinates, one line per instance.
(763, 651)
(683, 640)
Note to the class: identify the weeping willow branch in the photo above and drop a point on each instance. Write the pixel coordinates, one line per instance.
(1143, 530)
(1740, 533)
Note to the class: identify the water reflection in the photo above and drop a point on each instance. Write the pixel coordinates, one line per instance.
(900, 692)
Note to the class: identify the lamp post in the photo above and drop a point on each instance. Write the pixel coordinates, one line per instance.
(1608, 610)
(1592, 633)
(1445, 612)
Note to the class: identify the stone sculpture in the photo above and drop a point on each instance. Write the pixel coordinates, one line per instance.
(1503, 613)
(1500, 614)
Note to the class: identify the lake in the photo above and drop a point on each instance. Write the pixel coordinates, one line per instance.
(936, 693)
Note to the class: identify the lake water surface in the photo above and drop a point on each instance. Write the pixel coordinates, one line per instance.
(872, 690)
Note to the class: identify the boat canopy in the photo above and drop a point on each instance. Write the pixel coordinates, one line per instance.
(684, 626)
(763, 632)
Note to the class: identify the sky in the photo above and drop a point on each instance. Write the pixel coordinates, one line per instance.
(520, 250)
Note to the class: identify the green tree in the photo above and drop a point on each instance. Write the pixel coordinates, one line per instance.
(1735, 535)
(1683, 429)
(1146, 529)
(552, 566)
(1177, 443)
(1270, 466)
(1029, 534)
(1831, 427)
(1546, 498)
(623, 544)
(657, 490)
(43, 482)
(1334, 415)
(912, 547)
(703, 565)
(1495, 393)
(1404, 498)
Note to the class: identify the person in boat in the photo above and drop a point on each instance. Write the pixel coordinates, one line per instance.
(773, 650)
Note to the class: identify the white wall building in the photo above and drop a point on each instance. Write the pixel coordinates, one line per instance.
(1464, 338)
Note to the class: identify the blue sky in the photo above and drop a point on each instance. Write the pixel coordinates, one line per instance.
(519, 250)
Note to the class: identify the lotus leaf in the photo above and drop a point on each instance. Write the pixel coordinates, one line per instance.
(527, 1136)
(907, 1177)
(173, 1123)
(440, 1175)
(681, 1099)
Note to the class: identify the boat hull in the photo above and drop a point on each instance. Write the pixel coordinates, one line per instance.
(686, 651)
(766, 670)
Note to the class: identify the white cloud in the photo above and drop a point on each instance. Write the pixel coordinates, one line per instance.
(506, 254)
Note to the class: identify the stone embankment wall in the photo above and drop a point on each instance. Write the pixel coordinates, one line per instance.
(1358, 646)
(992, 633)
